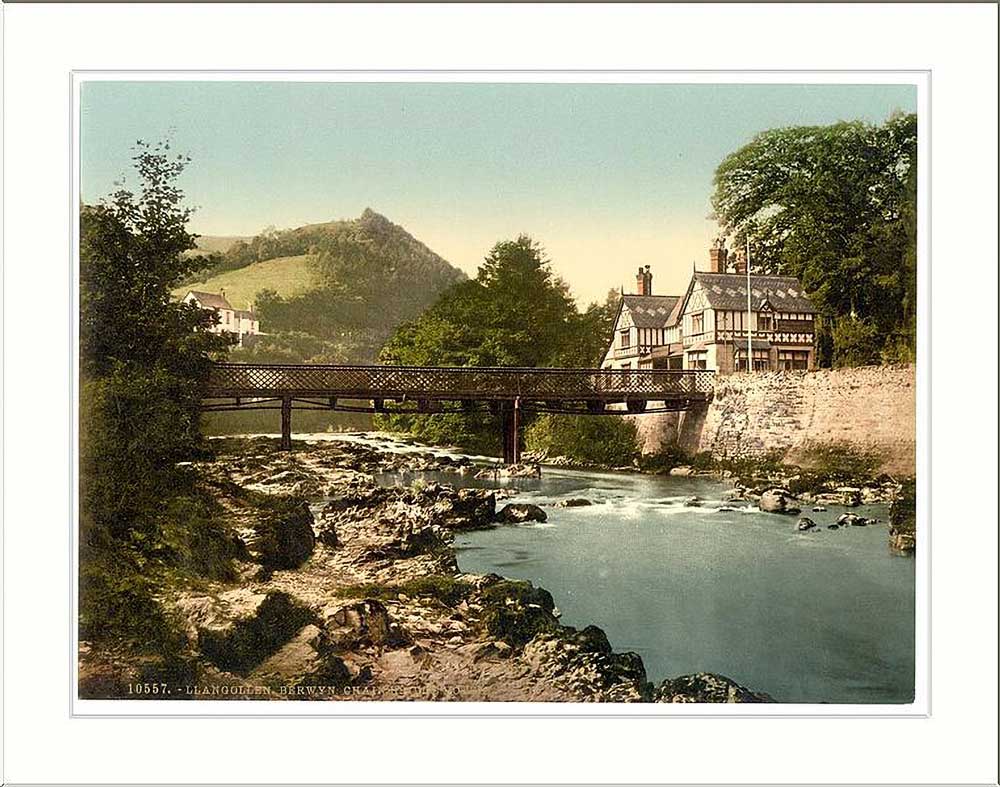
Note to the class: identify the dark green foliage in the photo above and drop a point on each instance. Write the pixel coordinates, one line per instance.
(449, 590)
(515, 611)
(520, 592)
(516, 312)
(839, 462)
(249, 641)
(143, 358)
(610, 441)
(373, 276)
(903, 509)
(663, 460)
(836, 206)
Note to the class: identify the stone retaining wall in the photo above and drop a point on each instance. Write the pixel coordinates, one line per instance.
(871, 408)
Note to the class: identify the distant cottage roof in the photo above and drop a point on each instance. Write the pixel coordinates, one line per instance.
(729, 291)
(211, 300)
(650, 311)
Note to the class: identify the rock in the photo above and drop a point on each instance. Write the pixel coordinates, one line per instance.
(818, 509)
(833, 527)
(777, 501)
(242, 643)
(328, 534)
(853, 520)
(284, 537)
(515, 513)
(574, 502)
(706, 687)
(591, 640)
(468, 509)
(364, 622)
(692, 502)
(804, 523)
(850, 496)
(681, 470)
(520, 471)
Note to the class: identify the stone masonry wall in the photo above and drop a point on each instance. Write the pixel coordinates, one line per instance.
(872, 408)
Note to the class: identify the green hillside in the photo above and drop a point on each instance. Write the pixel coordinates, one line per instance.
(215, 244)
(286, 276)
(330, 292)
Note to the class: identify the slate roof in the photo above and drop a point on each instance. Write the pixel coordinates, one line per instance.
(211, 300)
(729, 291)
(650, 311)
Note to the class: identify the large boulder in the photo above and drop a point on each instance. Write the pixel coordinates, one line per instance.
(361, 623)
(240, 644)
(804, 523)
(706, 687)
(467, 509)
(778, 501)
(515, 513)
(574, 502)
(283, 537)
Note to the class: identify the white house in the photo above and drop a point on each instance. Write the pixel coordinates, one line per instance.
(238, 321)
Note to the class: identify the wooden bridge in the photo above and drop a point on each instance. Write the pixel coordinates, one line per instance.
(506, 391)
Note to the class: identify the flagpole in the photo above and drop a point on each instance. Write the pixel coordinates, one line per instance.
(749, 314)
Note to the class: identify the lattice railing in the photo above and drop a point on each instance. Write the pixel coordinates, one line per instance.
(413, 382)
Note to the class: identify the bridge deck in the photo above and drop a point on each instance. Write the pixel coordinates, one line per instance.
(457, 383)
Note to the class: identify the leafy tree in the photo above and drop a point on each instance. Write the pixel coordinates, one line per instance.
(516, 312)
(836, 206)
(143, 358)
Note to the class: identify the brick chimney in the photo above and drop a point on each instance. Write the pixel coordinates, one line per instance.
(644, 282)
(718, 256)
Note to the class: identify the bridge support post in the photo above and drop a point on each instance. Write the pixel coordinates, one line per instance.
(512, 433)
(286, 423)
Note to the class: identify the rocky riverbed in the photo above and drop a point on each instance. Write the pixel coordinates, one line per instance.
(347, 589)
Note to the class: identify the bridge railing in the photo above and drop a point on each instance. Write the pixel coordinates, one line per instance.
(415, 382)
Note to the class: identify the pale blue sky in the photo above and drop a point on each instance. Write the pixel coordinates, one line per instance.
(606, 177)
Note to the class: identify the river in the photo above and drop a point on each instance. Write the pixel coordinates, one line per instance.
(822, 616)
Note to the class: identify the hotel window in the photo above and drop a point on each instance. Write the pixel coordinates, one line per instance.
(623, 339)
(761, 360)
(698, 322)
(793, 359)
(698, 359)
(765, 321)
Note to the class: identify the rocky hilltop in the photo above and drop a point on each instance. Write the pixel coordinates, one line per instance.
(346, 589)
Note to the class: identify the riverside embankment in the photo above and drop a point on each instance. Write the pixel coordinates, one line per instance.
(347, 587)
(796, 416)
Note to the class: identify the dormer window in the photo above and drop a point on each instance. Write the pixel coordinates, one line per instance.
(698, 322)
(623, 339)
(765, 321)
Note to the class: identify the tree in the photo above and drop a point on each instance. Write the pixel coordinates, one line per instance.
(143, 359)
(516, 312)
(835, 206)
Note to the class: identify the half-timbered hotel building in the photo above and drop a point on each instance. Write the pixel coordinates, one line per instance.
(706, 327)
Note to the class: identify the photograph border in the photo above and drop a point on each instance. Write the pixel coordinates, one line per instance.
(919, 708)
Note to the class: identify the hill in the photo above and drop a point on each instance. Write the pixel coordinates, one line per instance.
(333, 291)
(219, 244)
(286, 276)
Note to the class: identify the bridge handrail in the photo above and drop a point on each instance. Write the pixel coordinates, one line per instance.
(495, 381)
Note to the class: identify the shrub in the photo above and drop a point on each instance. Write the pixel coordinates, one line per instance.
(608, 440)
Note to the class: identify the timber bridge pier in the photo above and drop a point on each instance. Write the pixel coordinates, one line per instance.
(506, 391)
